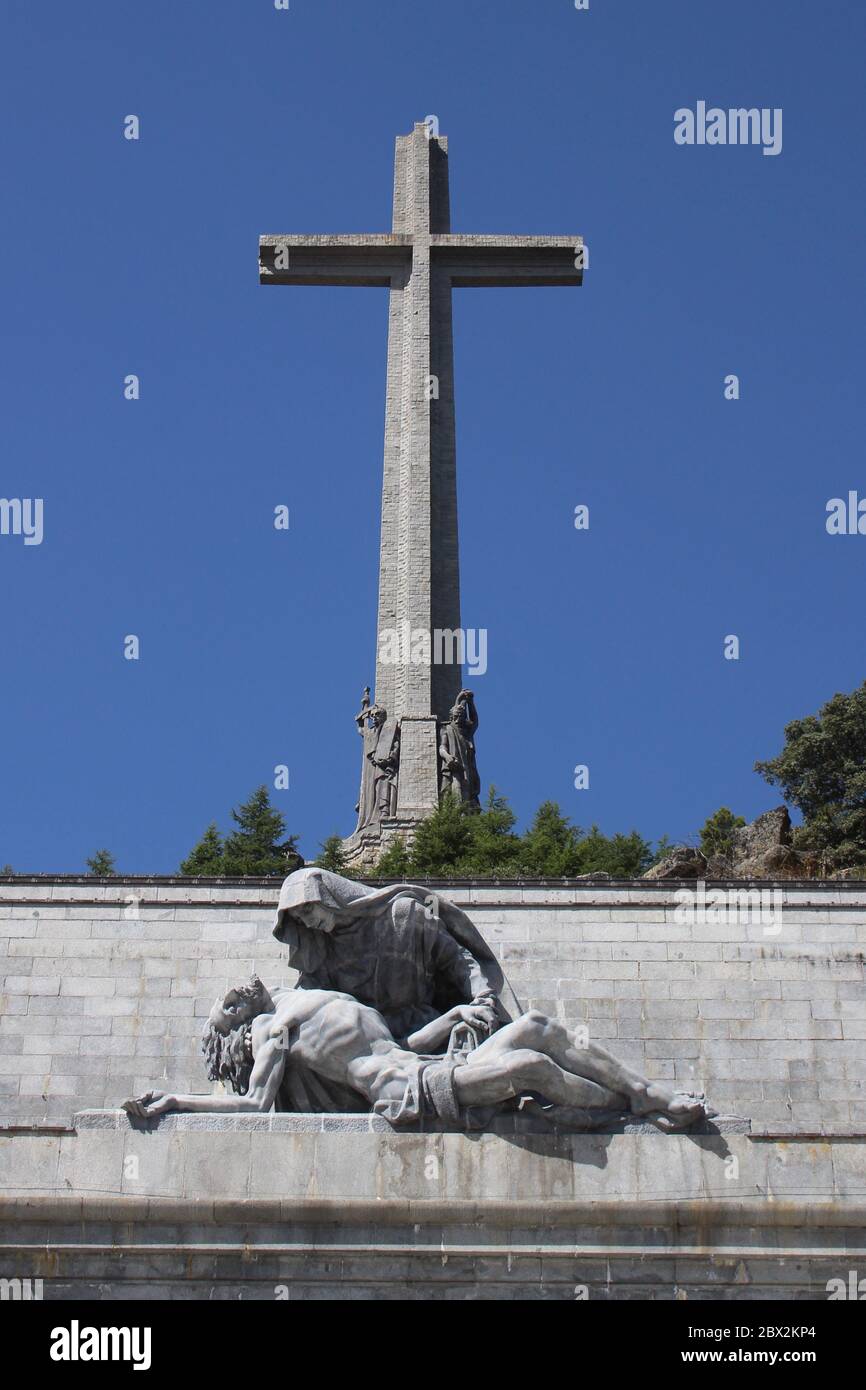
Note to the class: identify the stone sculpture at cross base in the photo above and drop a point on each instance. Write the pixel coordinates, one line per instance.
(378, 822)
(402, 1010)
(419, 651)
(380, 760)
(459, 772)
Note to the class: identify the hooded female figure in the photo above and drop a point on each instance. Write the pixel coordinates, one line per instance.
(402, 950)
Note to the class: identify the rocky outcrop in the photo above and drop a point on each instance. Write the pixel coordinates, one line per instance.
(763, 849)
(764, 844)
(682, 862)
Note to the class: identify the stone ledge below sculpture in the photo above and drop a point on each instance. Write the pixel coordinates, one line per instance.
(513, 1124)
(348, 1214)
(350, 1159)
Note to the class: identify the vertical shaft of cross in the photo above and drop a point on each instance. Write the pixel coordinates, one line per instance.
(419, 579)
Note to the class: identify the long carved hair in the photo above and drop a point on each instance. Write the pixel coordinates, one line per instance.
(228, 1057)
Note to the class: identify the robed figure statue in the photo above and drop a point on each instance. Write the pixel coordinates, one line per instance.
(377, 799)
(457, 750)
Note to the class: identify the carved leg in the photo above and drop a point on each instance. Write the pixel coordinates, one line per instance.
(511, 1073)
(590, 1061)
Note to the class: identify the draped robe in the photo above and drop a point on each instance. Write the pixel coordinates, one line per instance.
(402, 950)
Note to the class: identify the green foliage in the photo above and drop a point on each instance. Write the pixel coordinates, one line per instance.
(822, 771)
(717, 833)
(394, 862)
(257, 846)
(550, 845)
(493, 850)
(332, 856)
(555, 848)
(662, 849)
(206, 860)
(442, 840)
(456, 842)
(621, 856)
(102, 864)
(7, 869)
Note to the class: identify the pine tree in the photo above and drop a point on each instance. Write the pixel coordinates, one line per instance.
(332, 855)
(621, 856)
(717, 832)
(494, 849)
(554, 848)
(256, 847)
(394, 862)
(206, 859)
(441, 840)
(550, 847)
(102, 864)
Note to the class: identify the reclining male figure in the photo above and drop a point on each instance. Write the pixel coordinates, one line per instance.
(252, 1035)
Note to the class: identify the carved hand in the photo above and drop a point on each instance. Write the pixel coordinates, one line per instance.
(478, 1015)
(147, 1106)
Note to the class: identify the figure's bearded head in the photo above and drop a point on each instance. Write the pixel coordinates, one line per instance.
(225, 1040)
(239, 1005)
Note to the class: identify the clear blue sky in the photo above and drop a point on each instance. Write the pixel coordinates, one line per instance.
(707, 516)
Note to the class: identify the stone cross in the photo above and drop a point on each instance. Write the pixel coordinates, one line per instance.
(419, 578)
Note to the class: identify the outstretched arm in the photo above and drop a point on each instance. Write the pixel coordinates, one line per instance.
(265, 1078)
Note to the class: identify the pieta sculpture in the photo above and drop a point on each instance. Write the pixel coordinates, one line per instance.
(402, 1010)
